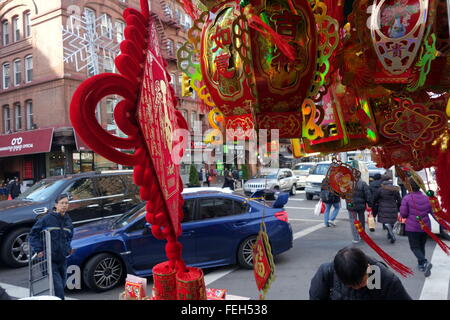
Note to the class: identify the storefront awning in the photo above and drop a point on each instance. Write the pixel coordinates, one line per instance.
(26, 142)
(81, 146)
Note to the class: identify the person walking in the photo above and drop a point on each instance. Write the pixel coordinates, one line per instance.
(229, 181)
(14, 188)
(388, 200)
(346, 278)
(361, 199)
(416, 204)
(374, 185)
(61, 231)
(330, 200)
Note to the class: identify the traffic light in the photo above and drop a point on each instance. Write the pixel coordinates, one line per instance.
(186, 89)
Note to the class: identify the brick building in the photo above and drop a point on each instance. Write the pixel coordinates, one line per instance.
(36, 84)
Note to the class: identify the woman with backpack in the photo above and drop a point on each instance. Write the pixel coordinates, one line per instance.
(330, 200)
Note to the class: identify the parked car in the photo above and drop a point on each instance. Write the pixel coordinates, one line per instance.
(93, 196)
(301, 171)
(314, 180)
(373, 170)
(277, 179)
(219, 228)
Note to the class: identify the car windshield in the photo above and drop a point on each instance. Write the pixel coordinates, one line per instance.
(135, 213)
(303, 167)
(267, 176)
(41, 191)
(321, 169)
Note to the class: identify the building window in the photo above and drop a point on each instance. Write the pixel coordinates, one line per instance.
(29, 108)
(17, 72)
(16, 29)
(6, 119)
(28, 69)
(5, 32)
(108, 64)
(170, 47)
(89, 15)
(27, 24)
(6, 76)
(106, 26)
(193, 120)
(18, 116)
(120, 29)
(110, 105)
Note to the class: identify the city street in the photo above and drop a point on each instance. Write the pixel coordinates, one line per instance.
(314, 244)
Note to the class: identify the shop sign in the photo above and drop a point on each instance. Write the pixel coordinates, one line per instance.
(26, 142)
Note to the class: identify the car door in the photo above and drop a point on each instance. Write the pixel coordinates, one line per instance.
(290, 179)
(219, 227)
(284, 181)
(112, 191)
(84, 204)
(147, 251)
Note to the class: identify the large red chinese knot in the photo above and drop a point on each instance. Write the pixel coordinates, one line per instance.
(252, 79)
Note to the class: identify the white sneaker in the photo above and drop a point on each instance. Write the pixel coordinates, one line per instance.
(332, 223)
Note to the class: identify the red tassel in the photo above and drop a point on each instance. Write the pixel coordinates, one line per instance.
(280, 41)
(441, 244)
(291, 6)
(437, 210)
(397, 266)
(442, 169)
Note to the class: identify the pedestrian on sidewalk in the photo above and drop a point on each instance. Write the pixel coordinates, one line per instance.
(346, 278)
(374, 186)
(416, 204)
(361, 199)
(14, 188)
(229, 181)
(388, 201)
(330, 200)
(61, 231)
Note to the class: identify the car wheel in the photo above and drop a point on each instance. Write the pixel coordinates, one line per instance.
(309, 196)
(294, 190)
(445, 234)
(14, 250)
(245, 257)
(103, 272)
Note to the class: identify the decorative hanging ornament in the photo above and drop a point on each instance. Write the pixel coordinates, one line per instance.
(149, 117)
(263, 264)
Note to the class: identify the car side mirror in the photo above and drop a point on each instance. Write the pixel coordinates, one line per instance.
(146, 230)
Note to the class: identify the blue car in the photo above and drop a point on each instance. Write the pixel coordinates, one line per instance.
(219, 228)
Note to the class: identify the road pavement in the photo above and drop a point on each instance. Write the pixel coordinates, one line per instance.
(314, 244)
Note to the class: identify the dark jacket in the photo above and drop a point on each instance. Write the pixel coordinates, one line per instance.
(388, 201)
(328, 197)
(326, 285)
(361, 196)
(374, 186)
(61, 232)
(14, 189)
(415, 204)
(228, 183)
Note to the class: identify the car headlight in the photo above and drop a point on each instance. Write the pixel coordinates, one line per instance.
(308, 184)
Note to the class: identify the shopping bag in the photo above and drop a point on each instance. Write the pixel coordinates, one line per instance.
(319, 208)
(399, 226)
(371, 222)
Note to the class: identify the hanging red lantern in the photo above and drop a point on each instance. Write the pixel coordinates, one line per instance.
(250, 79)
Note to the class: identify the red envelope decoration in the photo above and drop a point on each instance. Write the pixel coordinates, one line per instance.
(263, 265)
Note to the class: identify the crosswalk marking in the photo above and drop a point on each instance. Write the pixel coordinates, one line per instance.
(436, 285)
(19, 292)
